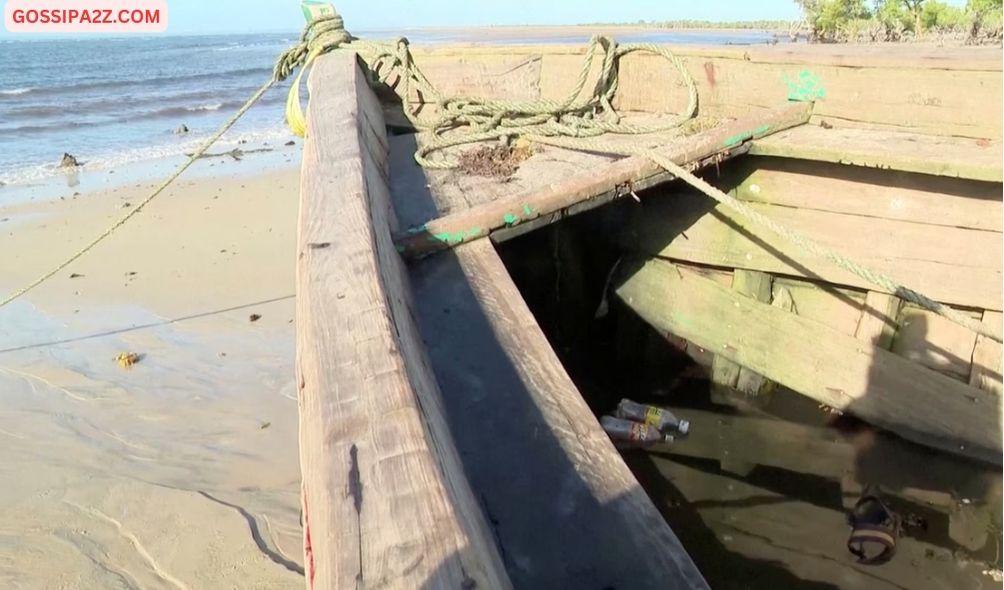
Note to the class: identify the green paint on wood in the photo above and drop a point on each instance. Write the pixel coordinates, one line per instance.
(458, 237)
(527, 210)
(510, 219)
(738, 138)
(418, 229)
(805, 87)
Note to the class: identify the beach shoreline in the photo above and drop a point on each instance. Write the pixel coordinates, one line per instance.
(186, 454)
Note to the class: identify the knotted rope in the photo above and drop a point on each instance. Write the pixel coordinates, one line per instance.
(460, 120)
(573, 123)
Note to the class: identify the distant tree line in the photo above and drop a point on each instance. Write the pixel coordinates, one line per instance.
(763, 24)
(900, 20)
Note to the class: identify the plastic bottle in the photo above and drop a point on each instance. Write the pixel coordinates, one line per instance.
(620, 430)
(660, 418)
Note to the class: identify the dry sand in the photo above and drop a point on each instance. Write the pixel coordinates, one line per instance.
(181, 471)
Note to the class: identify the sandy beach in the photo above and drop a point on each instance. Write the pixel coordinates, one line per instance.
(180, 471)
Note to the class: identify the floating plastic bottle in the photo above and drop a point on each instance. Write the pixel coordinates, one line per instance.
(660, 418)
(620, 430)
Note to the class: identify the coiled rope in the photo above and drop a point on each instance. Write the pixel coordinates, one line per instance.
(572, 123)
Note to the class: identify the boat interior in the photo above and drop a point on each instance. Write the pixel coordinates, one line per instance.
(452, 370)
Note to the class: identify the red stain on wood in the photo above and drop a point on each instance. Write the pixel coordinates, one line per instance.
(308, 551)
(709, 73)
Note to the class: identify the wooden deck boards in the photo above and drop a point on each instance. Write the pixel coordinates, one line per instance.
(565, 509)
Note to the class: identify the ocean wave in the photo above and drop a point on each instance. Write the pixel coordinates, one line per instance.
(131, 103)
(37, 172)
(155, 81)
(179, 113)
(206, 107)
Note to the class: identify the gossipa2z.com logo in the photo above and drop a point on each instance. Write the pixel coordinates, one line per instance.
(85, 16)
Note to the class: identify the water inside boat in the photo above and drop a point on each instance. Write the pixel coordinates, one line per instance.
(758, 493)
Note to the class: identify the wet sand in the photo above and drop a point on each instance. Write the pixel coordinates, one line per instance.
(180, 471)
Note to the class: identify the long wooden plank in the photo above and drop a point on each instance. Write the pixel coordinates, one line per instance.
(478, 222)
(987, 371)
(940, 91)
(909, 152)
(831, 367)
(385, 499)
(826, 186)
(952, 265)
(566, 510)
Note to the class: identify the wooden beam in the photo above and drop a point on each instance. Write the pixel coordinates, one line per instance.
(872, 192)
(724, 372)
(835, 369)
(889, 150)
(946, 92)
(385, 499)
(953, 265)
(877, 324)
(620, 176)
(986, 372)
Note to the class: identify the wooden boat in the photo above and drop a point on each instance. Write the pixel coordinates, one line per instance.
(443, 445)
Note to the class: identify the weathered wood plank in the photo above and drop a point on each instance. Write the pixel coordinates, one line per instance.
(917, 99)
(385, 498)
(837, 370)
(909, 152)
(987, 357)
(953, 265)
(890, 194)
(878, 321)
(619, 176)
(837, 307)
(723, 371)
(936, 91)
(928, 339)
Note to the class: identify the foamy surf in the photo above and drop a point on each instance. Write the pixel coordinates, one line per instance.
(34, 174)
(17, 91)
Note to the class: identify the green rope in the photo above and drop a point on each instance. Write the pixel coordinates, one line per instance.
(461, 120)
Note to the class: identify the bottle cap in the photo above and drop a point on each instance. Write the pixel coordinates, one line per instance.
(684, 426)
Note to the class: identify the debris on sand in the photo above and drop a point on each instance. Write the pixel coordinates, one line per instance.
(69, 161)
(127, 359)
(254, 317)
(499, 161)
(75, 275)
(290, 142)
(181, 130)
